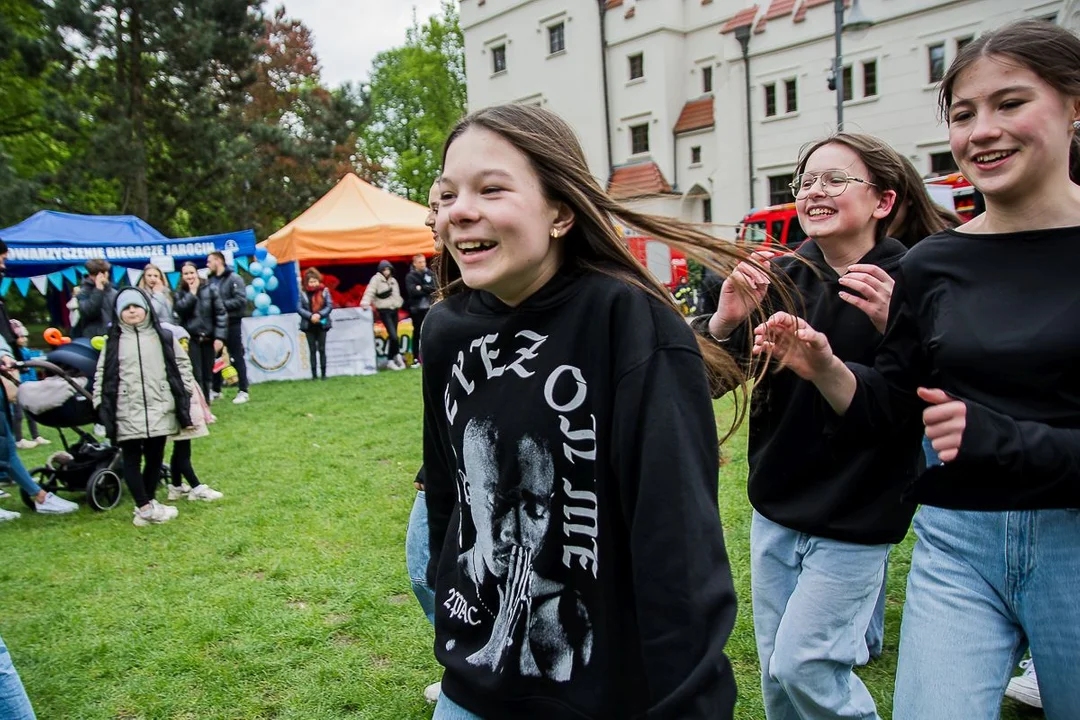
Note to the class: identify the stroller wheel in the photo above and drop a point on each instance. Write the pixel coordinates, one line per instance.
(103, 489)
(45, 479)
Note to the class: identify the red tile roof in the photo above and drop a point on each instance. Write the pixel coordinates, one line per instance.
(637, 180)
(779, 8)
(742, 18)
(612, 4)
(695, 115)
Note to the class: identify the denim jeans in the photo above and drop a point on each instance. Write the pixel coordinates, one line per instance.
(813, 598)
(14, 704)
(447, 709)
(417, 553)
(983, 586)
(11, 465)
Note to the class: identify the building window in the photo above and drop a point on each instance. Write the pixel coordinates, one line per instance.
(706, 79)
(706, 210)
(937, 62)
(791, 95)
(770, 99)
(637, 66)
(869, 78)
(695, 155)
(849, 84)
(556, 38)
(498, 59)
(962, 42)
(639, 139)
(942, 163)
(779, 189)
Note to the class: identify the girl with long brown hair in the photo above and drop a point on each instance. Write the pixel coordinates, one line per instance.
(982, 347)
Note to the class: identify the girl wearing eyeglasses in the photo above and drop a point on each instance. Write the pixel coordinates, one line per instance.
(826, 509)
(982, 347)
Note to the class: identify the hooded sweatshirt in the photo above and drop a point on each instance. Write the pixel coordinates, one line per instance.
(383, 292)
(803, 475)
(570, 461)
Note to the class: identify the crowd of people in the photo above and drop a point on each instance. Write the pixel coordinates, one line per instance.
(901, 369)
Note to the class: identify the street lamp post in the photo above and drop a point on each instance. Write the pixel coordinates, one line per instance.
(742, 34)
(856, 21)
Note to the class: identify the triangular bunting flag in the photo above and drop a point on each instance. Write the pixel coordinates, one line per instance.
(5, 285)
(57, 280)
(70, 275)
(41, 283)
(22, 284)
(117, 273)
(242, 263)
(174, 279)
(133, 275)
(81, 270)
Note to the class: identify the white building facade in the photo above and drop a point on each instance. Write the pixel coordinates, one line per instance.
(666, 126)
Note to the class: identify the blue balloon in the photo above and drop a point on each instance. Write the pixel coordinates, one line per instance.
(271, 284)
(274, 310)
(261, 253)
(259, 284)
(250, 292)
(268, 272)
(262, 300)
(269, 261)
(255, 268)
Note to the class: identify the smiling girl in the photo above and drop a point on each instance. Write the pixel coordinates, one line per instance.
(569, 445)
(826, 509)
(983, 342)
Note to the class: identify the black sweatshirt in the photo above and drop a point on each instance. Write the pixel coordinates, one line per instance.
(583, 573)
(802, 475)
(993, 320)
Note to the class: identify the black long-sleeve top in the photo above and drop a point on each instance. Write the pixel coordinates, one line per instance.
(802, 475)
(571, 464)
(993, 320)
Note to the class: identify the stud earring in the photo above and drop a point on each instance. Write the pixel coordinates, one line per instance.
(554, 234)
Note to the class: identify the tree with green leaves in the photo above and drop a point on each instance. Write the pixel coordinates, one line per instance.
(417, 94)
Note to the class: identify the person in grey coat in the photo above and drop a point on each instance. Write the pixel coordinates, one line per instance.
(95, 300)
(199, 310)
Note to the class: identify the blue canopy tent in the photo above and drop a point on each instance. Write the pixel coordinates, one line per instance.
(50, 241)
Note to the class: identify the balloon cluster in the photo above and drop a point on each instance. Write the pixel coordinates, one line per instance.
(263, 283)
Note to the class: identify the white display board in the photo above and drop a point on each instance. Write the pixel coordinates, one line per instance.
(276, 349)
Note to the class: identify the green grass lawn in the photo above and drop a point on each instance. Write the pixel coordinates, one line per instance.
(289, 598)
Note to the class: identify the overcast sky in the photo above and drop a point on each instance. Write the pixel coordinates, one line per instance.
(349, 33)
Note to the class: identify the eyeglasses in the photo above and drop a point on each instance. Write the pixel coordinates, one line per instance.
(833, 183)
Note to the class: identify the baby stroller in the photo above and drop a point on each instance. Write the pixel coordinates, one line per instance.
(86, 464)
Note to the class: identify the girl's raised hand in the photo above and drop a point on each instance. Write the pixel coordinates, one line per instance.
(741, 292)
(945, 421)
(871, 292)
(794, 344)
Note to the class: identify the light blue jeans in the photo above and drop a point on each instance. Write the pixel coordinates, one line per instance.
(983, 586)
(875, 634)
(11, 465)
(417, 552)
(14, 704)
(813, 599)
(447, 709)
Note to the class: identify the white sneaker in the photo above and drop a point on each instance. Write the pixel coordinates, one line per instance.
(54, 505)
(4, 494)
(156, 515)
(396, 364)
(1025, 688)
(6, 515)
(214, 395)
(241, 398)
(42, 441)
(178, 491)
(204, 492)
(432, 692)
(26, 444)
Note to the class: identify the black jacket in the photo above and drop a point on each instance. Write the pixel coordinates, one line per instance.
(304, 309)
(96, 311)
(803, 475)
(561, 451)
(420, 286)
(202, 314)
(230, 287)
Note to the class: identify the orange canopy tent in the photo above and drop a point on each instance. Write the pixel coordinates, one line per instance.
(355, 222)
